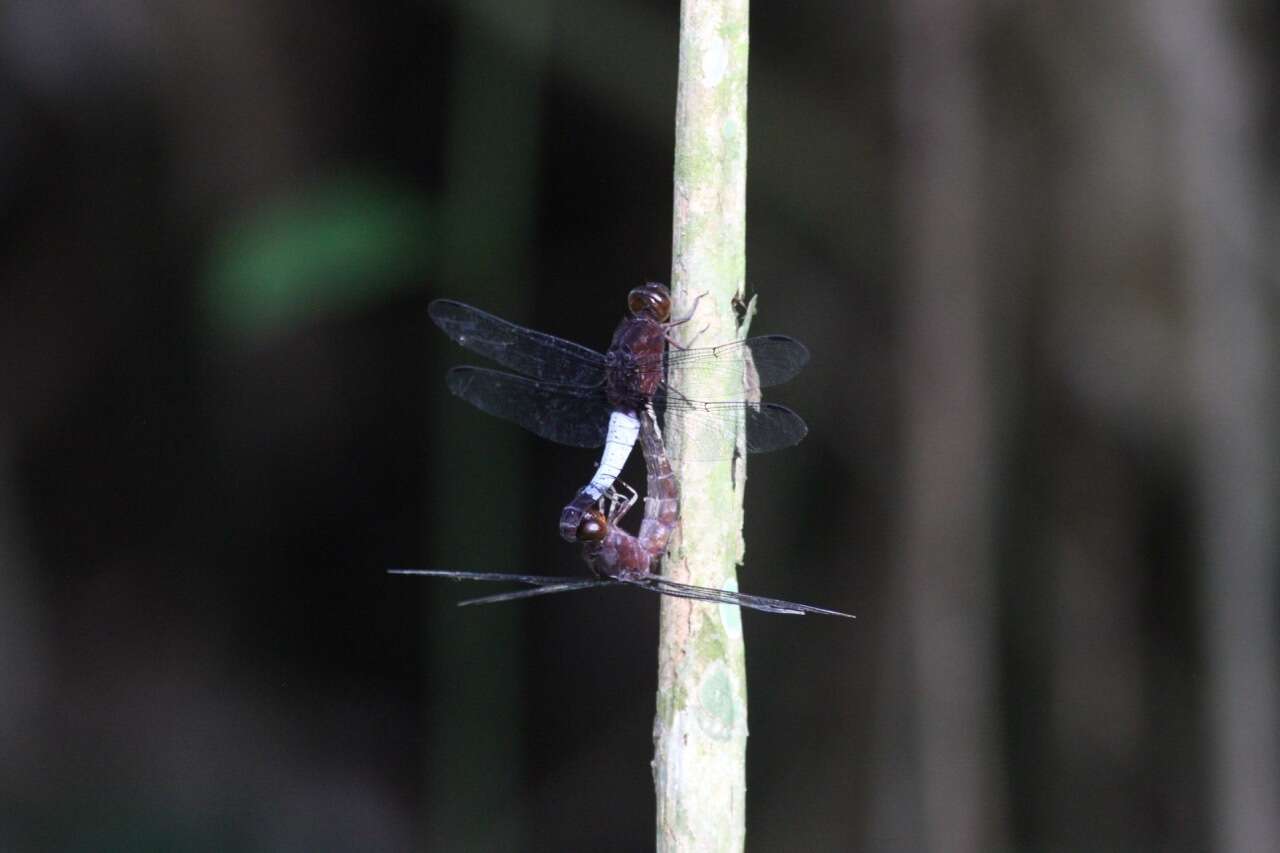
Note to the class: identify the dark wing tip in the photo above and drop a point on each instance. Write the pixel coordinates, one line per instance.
(825, 612)
(454, 318)
(440, 310)
(802, 351)
(798, 426)
(437, 306)
(471, 384)
(774, 426)
(458, 378)
(789, 608)
(797, 352)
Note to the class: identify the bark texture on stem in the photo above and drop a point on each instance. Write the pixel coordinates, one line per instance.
(700, 731)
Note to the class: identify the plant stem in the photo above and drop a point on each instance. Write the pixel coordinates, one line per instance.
(700, 732)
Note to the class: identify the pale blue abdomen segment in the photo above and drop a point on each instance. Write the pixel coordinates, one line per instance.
(620, 438)
(624, 428)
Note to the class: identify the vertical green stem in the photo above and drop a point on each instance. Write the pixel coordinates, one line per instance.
(700, 732)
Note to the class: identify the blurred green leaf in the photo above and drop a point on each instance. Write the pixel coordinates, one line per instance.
(331, 249)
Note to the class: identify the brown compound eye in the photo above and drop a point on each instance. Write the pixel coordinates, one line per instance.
(653, 299)
(593, 527)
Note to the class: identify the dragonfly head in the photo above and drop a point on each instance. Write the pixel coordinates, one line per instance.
(594, 526)
(650, 299)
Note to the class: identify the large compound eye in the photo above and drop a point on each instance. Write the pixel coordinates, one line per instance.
(593, 527)
(653, 299)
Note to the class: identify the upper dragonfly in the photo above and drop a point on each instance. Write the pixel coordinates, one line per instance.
(584, 398)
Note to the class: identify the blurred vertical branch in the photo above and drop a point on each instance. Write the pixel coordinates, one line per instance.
(475, 762)
(1093, 398)
(700, 730)
(945, 510)
(23, 657)
(1214, 132)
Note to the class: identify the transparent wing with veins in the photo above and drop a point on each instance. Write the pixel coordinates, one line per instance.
(777, 359)
(562, 395)
(545, 585)
(579, 417)
(614, 505)
(523, 350)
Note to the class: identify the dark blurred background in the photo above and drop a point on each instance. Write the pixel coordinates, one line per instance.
(1030, 246)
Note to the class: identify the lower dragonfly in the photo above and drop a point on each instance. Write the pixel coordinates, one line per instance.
(617, 557)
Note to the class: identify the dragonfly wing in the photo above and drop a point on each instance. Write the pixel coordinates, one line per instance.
(499, 577)
(523, 350)
(776, 358)
(568, 586)
(568, 414)
(656, 583)
(544, 584)
(714, 426)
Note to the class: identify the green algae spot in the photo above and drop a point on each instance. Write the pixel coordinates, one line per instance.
(715, 710)
(711, 640)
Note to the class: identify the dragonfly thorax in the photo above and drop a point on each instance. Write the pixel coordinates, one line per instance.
(634, 363)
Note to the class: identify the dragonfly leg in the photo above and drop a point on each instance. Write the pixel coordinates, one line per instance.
(671, 324)
(687, 317)
(620, 498)
(676, 344)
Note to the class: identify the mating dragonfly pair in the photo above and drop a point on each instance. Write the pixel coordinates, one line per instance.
(578, 396)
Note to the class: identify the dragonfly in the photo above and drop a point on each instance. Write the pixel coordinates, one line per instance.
(619, 558)
(578, 396)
